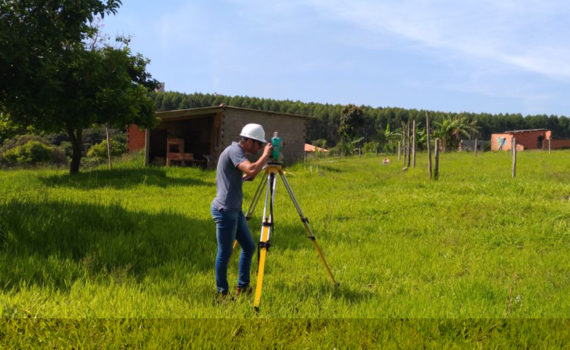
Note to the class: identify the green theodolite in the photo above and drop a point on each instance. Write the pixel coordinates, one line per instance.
(277, 143)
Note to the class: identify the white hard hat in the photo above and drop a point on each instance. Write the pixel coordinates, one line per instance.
(254, 132)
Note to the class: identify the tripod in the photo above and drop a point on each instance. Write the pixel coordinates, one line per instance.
(271, 172)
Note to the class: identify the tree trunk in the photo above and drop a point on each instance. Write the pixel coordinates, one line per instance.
(75, 137)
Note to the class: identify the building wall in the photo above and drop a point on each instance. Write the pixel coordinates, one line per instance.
(291, 130)
(135, 138)
(524, 140)
(558, 143)
(529, 140)
(501, 142)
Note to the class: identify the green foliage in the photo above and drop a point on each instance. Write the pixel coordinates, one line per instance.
(100, 150)
(450, 129)
(55, 82)
(326, 117)
(322, 143)
(371, 147)
(32, 152)
(350, 121)
(9, 129)
(343, 148)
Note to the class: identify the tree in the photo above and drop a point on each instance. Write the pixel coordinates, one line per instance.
(53, 80)
(350, 120)
(449, 130)
(392, 138)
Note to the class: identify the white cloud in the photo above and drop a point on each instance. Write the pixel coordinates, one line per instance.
(527, 34)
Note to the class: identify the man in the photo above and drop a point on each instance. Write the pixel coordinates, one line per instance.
(233, 168)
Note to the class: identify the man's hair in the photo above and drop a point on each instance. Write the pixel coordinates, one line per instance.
(244, 139)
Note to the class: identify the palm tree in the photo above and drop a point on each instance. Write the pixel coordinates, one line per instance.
(391, 137)
(449, 130)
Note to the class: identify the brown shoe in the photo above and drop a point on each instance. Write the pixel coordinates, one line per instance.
(243, 291)
(223, 297)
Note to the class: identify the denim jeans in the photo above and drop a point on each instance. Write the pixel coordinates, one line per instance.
(230, 226)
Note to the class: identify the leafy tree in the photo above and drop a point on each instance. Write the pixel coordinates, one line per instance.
(100, 150)
(53, 80)
(9, 129)
(350, 120)
(450, 129)
(392, 138)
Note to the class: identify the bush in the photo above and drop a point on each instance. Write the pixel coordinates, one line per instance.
(342, 148)
(32, 152)
(371, 147)
(100, 150)
(319, 143)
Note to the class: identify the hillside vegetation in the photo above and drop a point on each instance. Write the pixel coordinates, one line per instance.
(476, 258)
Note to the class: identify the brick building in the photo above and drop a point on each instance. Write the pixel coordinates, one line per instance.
(198, 135)
(527, 139)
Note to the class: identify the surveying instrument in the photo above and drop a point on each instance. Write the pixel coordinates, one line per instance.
(274, 167)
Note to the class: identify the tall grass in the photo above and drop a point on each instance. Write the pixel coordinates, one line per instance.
(139, 243)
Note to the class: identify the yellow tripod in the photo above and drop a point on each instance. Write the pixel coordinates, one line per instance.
(271, 172)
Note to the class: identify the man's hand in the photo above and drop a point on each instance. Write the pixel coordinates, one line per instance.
(267, 149)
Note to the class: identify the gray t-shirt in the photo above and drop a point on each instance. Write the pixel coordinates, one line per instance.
(228, 178)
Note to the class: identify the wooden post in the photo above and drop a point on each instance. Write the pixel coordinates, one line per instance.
(414, 144)
(108, 148)
(404, 143)
(436, 152)
(409, 151)
(514, 150)
(549, 146)
(399, 149)
(146, 147)
(428, 145)
(476, 149)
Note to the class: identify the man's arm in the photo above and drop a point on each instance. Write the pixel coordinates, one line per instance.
(252, 169)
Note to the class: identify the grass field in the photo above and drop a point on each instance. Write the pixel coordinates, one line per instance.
(126, 257)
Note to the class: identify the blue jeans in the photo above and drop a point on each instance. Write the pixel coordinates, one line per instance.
(230, 226)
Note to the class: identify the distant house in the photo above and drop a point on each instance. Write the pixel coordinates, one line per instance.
(312, 149)
(527, 139)
(198, 135)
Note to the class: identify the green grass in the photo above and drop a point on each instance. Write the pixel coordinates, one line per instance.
(475, 258)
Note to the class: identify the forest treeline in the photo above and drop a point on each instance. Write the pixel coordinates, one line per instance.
(326, 122)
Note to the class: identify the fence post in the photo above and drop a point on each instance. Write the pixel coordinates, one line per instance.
(146, 147)
(428, 144)
(403, 143)
(514, 150)
(414, 144)
(409, 145)
(108, 147)
(436, 151)
(399, 149)
(549, 146)
(476, 148)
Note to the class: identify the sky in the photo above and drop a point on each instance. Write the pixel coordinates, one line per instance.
(480, 56)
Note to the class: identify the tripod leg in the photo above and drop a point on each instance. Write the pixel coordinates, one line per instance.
(254, 200)
(252, 205)
(305, 221)
(264, 244)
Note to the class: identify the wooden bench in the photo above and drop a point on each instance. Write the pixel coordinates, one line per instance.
(175, 151)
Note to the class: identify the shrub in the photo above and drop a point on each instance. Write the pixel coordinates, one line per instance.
(32, 152)
(320, 143)
(100, 150)
(342, 148)
(371, 147)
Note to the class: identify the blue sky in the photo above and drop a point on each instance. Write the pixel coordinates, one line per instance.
(497, 56)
